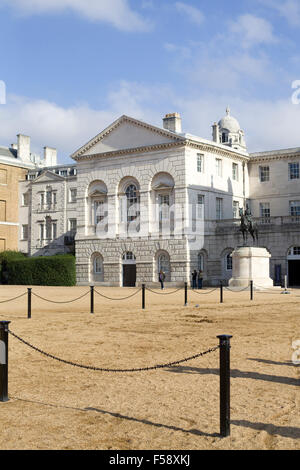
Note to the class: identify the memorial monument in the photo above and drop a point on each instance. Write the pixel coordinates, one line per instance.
(250, 262)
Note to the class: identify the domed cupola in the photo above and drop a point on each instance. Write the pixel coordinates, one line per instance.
(228, 132)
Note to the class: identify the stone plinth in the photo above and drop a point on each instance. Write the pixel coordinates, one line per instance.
(251, 264)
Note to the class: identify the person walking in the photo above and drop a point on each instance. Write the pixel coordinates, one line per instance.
(200, 279)
(194, 279)
(162, 278)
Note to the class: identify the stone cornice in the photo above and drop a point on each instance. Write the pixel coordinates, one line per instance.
(205, 147)
(275, 157)
(131, 151)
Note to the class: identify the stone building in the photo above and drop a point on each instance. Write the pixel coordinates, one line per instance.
(154, 198)
(15, 162)
(48, 210)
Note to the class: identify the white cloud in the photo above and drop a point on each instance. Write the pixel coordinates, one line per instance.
(289, 9)
(116, 12)
(193, 14)
(68, 128)
(253, 30)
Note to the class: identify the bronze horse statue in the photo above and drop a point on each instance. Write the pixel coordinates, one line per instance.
(247, 225)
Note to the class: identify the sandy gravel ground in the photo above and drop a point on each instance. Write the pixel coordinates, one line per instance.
(54, 405)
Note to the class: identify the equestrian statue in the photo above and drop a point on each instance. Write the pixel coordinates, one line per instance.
(247, 225)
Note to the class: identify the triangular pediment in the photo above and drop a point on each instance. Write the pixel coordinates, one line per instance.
(47, 176)
(127, 133)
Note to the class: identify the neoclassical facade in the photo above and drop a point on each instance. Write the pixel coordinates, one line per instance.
(154, 198)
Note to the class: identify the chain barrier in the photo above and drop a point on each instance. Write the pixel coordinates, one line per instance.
(101, 369)
(239, 290)
(202, 293)
(121, 298)
(166, 293)
(15, 298)
(60, 301)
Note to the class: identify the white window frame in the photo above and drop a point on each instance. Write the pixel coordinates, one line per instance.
(219, 208)
(25, 232)
(200, 163)
(219, 167)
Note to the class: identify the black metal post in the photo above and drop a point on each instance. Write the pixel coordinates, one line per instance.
(29, 302)
(251, 290)
(4, 360)
(143, 296)
(224, 385)
(221, 292)
(185, 294)
(92, 299)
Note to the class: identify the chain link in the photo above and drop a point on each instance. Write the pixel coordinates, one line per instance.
(166, 293)
(59, 301)
(14, 298)
(101, 369)
(201, 293)
(120, 298)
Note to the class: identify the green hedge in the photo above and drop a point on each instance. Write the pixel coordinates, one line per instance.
(5, 258)
(58, 270)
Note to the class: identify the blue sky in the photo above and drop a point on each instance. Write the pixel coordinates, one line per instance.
(71, 67)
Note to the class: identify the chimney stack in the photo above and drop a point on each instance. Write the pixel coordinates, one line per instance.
(24, 147)
(50, 156)
(172, 122)
(216, 134)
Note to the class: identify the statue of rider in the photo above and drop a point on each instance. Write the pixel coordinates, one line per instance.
(248, 216)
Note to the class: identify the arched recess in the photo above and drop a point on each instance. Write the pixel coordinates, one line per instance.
(226, 260)
(163, 263)
(96, 268)
(162, 197)
(97, 206)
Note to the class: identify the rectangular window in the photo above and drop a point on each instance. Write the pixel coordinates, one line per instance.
(236, 209)
(264, 173)
(200, 163)
(99, 211)
(24, 232)
(164, 206)
(219, 208)
(54, 198)
(25, 199)
(41, 231)
(265, 213)
(73, 194)
(54, 230)
(294, 171)
(42, 197)
(72, 225)
(48, 198)
(200, 206)
(219, 167)
(3, 211)
(235, 172)
(48, 230)
(295, 210)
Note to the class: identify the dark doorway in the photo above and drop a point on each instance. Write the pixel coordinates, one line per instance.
(129, 275)
(294, 273)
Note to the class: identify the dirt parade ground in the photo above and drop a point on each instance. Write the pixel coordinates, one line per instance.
(55, 405)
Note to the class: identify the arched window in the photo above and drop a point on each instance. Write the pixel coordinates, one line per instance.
(163, 264)
(98, 265)
(228, 262)
(132, 197)
(200, 262)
